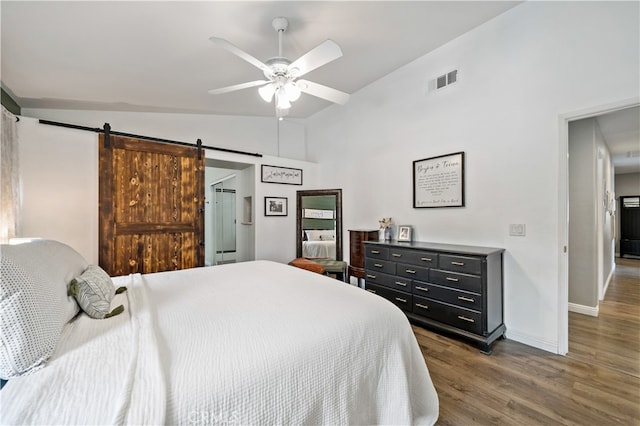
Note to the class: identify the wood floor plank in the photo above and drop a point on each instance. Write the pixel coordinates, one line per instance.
(598, 383)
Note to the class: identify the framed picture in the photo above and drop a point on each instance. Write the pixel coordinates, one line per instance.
(405, 233)
(439, 181)
(275, 206)
(284, 175)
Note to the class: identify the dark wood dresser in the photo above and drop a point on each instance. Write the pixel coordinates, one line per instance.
(356, 251)
(449, 288)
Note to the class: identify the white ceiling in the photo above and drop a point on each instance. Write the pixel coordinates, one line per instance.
(155, 56)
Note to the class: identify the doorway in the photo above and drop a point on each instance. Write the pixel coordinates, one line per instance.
(229, 193)
(602, 217)
(223, 196)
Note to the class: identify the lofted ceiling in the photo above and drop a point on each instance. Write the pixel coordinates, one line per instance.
(155, 56)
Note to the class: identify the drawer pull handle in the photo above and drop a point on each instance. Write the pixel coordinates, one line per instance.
(396, 255)
(410, 271)
(399, 299)
(458, 263)
(466, 299)
(452, 279)
(426, 259)
(375, 251)
(465, 318)
(420, 305)
(422, 288)
(371, 291)
(377, 265)
(371, 276)
(401, 283)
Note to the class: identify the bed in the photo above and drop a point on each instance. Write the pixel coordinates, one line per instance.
(248, 343)
(319, 244)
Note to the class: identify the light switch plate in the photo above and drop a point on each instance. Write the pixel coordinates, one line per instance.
(517, 229)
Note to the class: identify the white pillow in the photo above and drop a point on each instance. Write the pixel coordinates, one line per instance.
(34, 306)
(320, 235)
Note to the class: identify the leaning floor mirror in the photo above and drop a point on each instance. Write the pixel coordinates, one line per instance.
(319, 224)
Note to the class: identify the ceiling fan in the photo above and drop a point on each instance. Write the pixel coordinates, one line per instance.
(283, 81)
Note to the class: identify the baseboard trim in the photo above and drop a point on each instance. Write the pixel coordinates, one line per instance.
(606, 284)
(585, 310)
(532, 341)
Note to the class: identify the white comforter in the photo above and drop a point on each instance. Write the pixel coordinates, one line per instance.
(247, 343)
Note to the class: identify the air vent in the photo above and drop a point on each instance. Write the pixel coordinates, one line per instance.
(446, 79)
(633, 154)
(452, 77)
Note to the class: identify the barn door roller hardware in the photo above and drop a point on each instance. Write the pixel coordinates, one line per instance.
(107, 131)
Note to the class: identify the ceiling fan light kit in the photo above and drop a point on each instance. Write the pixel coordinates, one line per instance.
(282, 75)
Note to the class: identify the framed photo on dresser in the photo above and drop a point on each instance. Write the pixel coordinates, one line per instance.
(405, 233)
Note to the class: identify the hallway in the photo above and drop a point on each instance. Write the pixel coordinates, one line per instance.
(612, 340)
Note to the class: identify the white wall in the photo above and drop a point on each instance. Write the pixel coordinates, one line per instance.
(59, 174)
(518, 74)
(59, 185)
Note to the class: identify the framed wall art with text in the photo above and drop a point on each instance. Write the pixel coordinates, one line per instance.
(439, 181)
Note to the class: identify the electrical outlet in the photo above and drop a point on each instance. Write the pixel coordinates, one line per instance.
(517, 229)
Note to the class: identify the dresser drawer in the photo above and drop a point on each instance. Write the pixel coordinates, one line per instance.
(376, 252)
(461, 298)
(472, 283)
(412, 272)
(386, 280)
(465, 319)
(378, 265)
(414, 257)
(468, 265)
(402, 300)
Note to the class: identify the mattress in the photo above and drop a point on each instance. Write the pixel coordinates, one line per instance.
(247, 343)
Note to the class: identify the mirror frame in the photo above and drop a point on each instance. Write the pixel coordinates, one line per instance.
(315, 192)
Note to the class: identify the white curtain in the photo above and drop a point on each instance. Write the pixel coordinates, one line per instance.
(9, 179)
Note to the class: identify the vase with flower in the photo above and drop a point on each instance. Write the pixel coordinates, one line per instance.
(385, 228)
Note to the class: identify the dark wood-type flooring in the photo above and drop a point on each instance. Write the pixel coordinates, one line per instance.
(597, 383)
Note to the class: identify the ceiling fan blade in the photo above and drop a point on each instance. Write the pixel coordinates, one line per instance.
(237, 87)
(324, 92)
(238, 52)
(324, 53)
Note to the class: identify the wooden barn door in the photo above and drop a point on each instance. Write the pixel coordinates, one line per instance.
(151, 206)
